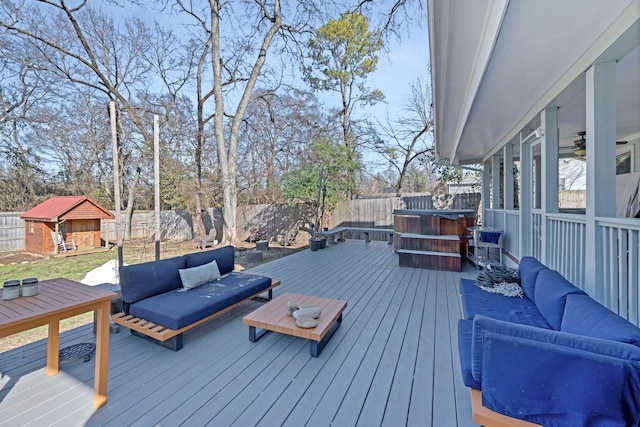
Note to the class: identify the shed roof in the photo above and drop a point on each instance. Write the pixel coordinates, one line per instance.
(51, 209)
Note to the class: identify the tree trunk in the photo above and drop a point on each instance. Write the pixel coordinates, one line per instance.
(228, 149)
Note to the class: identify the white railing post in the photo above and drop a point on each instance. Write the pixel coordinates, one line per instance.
(601, 172)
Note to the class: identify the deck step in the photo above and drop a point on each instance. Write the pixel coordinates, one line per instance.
(430, 259)
(431, 253)
(452, 237)
(431, 243)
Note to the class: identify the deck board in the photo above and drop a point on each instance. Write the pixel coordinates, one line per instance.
(393, 361)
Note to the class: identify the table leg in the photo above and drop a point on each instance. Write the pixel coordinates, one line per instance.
(102, 355)
(315, 347)
(255, 335)
(53, 345)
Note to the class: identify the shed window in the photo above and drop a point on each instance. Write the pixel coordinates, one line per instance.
(31, 227)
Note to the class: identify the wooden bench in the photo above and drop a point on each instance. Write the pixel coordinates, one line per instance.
(164, 335)
(330, 234)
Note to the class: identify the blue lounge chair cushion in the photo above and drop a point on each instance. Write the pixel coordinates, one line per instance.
(553, 378)
(225, 257)
(585, 316)
(511, 309)
(465, 334)
(551, 294)
(140, 281)
(528, 270)
(179, 308)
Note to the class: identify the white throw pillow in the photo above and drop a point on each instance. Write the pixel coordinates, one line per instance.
(196, 276)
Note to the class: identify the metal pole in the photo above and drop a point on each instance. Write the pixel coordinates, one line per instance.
(317, 224)
(156, 180)
(323, 182)
(116, 179)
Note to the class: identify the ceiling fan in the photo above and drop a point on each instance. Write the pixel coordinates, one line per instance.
(580, 145)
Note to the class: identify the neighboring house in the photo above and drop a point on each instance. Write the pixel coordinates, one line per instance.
(572, 174)
(468, 184)
(520, 81)
(73, 219)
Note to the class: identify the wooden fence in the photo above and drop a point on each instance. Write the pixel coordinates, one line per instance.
(572, 199)
(378, 212)
(11, 231)
(279, 223)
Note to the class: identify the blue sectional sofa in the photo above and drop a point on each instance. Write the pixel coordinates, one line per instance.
(162, 299)
(555, 357)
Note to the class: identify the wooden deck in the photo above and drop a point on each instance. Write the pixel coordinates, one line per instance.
(394, 360)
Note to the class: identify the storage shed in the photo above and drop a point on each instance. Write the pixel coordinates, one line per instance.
(68, 218)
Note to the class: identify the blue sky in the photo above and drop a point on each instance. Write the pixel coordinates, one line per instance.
(406, 61)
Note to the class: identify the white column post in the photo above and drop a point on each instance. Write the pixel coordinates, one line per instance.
(548, 178)
(507, 184)
(508, 176)
(601, 169)
(526, 188)
(495, 182)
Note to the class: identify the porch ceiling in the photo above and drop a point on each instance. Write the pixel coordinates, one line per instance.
(497, 64)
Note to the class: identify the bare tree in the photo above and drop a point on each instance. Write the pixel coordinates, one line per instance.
(237, 53)
(278, 129)
(406, 139)
(82, 46)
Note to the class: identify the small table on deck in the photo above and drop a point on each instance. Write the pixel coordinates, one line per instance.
(273, 317)
(59, 299)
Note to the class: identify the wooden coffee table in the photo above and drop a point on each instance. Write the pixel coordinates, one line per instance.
(273, 317)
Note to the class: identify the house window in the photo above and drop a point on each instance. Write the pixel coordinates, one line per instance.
(30, 227)
(624, 160)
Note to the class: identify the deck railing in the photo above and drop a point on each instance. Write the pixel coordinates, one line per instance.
(621, 257)
(566, 246)
(509, 222)
(565, 252)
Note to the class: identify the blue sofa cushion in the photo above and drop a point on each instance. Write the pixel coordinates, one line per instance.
(551, 292)
(179, 308)
(559, 385)
(585, 316)
(140, 281)
(497, 306)
(484, 328)
(528, 269)
(465, 336)
(225, 257)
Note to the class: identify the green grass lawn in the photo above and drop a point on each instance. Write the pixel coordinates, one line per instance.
(72, 267)
(75, 267)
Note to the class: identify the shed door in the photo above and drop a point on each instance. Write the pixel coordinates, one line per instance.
(83, 233)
